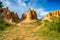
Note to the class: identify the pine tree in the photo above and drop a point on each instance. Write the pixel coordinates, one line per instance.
(1, 5)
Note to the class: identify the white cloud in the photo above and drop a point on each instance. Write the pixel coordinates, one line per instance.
(41, 11)
(39, 17)
(6, 3)
(21, 3)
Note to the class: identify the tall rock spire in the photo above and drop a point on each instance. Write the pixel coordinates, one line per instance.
(34, 15)
(29, 14)
(24, 16)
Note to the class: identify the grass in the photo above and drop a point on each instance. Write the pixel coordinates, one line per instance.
(29, 28)
(50, 31)
(18, 38)
(4, 25)
(38, 23)
(47, 34)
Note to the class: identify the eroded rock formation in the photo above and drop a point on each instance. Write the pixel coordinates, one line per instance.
(31, 14)
(7, 15)
(24, 16)
(55, 13)
(34, 15)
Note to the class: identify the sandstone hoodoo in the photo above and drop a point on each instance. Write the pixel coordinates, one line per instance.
(7, 15)
(12, 16)
(34, 15)
(31, 14)
(51, 14)
(3, 12)
(24, 16)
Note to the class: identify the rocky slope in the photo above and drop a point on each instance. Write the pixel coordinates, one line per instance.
(29, 17)
(24, 16)
(5, 14)
(49, 15)
(31, 14)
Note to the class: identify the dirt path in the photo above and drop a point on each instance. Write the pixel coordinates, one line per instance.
(20, 33)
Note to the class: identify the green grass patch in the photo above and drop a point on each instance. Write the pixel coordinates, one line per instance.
(4, 25)
(51, 30)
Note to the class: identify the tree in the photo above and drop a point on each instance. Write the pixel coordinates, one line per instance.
(1, 5)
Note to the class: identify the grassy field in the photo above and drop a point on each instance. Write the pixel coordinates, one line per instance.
(34, 31)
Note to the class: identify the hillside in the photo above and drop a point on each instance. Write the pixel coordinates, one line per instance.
(29, 27)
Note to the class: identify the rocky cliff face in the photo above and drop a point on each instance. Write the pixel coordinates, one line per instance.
(34, 15)
(31, 15)
(55, 13)
(7, 15)
(24, 16)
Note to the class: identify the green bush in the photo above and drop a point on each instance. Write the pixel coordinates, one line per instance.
(38, 23)
(54, 24)
(4, 25)
(50, 31)
(1, 4)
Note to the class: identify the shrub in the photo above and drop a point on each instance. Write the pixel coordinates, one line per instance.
(1, 5)
(54, 25)
(4, 25)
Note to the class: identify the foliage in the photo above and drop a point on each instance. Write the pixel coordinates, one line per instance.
(50, 31)
(4, 25)
(38, 23)
(54, 25)
(1, 5)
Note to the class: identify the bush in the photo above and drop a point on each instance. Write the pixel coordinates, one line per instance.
(1, 5)
(54, 25)
(38, 23)
(4, 25)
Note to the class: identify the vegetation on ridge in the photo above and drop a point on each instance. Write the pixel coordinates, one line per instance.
(1, 5)
(51, 30)
(4, 25)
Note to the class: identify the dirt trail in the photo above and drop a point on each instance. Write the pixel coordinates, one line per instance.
(20, 33)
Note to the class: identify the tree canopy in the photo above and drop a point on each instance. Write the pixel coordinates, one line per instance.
(1, 5)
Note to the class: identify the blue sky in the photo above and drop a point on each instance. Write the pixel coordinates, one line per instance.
(40, 6)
